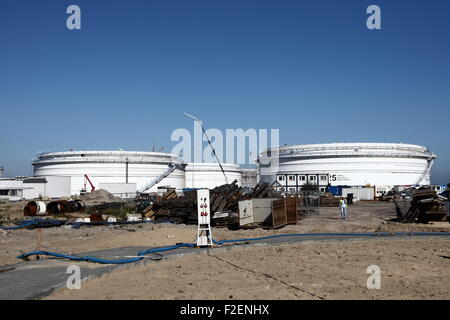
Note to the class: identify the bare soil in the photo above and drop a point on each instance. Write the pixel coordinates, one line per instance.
(410, 269)
(328, 270)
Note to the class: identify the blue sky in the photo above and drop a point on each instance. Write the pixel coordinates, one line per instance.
(310, 68)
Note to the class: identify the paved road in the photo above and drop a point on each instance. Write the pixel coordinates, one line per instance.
(37, 278)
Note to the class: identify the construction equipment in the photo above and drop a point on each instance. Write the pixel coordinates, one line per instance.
(172, 168)
(86, 179)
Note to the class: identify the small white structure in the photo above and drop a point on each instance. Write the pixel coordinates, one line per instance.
(209, 175)
(360, 193)
(11, 190)
(254, 211)
(204, 235)
(46, 187)
(19, 188)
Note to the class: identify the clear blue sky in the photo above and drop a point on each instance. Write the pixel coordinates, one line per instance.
(310, 68)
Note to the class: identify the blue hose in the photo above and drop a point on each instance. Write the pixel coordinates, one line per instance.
(368, 234)
(36, 223)
(141, 254)
(49, 223)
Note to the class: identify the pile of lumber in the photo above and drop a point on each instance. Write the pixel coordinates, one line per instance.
(181, 209)
(262, 190)
(224, 198)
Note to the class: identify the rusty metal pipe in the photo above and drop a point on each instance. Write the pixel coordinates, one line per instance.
(34, 208)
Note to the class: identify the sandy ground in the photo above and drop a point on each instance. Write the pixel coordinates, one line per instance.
(410, 269)
(363, 217)
(90, 238)
(345, 272)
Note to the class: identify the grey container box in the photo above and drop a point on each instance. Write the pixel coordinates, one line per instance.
(254, 211)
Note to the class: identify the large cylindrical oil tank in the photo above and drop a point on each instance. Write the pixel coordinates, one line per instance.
(353, 164)
(209, 175)
(139, 167)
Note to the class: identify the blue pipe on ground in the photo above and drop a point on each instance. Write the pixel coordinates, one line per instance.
(141, 254)
(49, 223)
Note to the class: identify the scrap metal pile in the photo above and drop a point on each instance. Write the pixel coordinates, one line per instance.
(426, 205)
(224, 202)
(34, 208)
(94, 204)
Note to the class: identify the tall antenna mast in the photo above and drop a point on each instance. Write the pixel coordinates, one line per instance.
(209, 142)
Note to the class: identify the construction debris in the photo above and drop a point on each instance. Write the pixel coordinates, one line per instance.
(90, 203)
(425, 206)
(224, 202)
(284, 211)
(65, 206)
(34, 208)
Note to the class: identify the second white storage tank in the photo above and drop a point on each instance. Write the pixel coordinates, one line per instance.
(209, 175)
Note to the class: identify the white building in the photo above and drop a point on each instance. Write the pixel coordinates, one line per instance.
(352, 164)
(19, 188)
(46, 187)
(11, 189)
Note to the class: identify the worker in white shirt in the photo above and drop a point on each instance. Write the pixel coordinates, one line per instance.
(343, 207)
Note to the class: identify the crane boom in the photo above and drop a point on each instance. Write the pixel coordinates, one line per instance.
(90, 182)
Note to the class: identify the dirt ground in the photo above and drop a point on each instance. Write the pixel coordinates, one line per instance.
(363, 217)
(410, 269)
(345, 272)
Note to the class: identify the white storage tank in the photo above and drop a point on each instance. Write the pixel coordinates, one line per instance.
(122, 190)
(351, 164)
(209, 175)
(108, 167)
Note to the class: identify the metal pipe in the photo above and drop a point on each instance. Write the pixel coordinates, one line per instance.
(34, 208)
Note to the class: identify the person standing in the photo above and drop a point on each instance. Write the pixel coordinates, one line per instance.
(343, 207)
